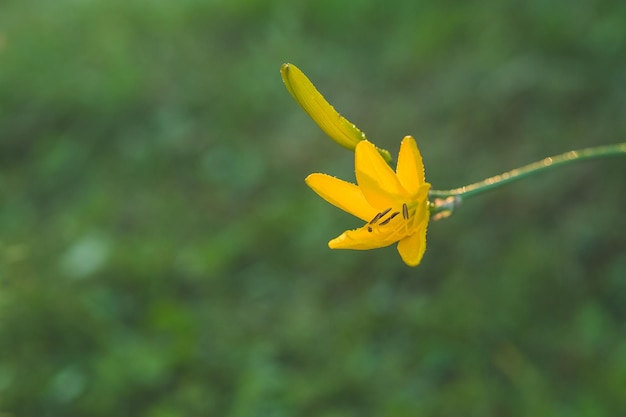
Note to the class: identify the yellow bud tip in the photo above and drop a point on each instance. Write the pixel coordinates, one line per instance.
(337, 127)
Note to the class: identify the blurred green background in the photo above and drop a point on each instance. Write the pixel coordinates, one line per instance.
(161, 255)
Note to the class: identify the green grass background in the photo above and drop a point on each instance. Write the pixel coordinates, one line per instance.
(160, 254)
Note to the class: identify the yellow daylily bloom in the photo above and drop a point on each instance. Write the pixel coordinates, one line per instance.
(394, 205)
(337, 127)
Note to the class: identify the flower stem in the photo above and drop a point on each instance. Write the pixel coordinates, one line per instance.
(531, 169)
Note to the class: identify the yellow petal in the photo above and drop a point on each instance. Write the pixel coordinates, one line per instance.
(421, 196)
(342, 194)
(377, 181)
(410, 168)
(359, 239)
(373, 235)
(412, 248)
(337, 127)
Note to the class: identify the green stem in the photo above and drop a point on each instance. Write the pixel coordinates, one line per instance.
(531, 169)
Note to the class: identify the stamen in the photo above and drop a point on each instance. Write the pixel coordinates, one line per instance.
(405, 211)
(389, 218)
(385, 212)
(375, 219)
(379, 215)
(369, 229)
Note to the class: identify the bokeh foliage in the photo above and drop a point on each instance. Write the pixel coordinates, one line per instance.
(161, 256)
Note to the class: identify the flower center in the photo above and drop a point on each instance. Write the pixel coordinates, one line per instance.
(381, 222)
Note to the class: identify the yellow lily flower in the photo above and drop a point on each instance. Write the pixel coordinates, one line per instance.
(337, 127)
(394, 205)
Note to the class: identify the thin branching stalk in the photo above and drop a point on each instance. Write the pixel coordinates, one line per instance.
(531, 169)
